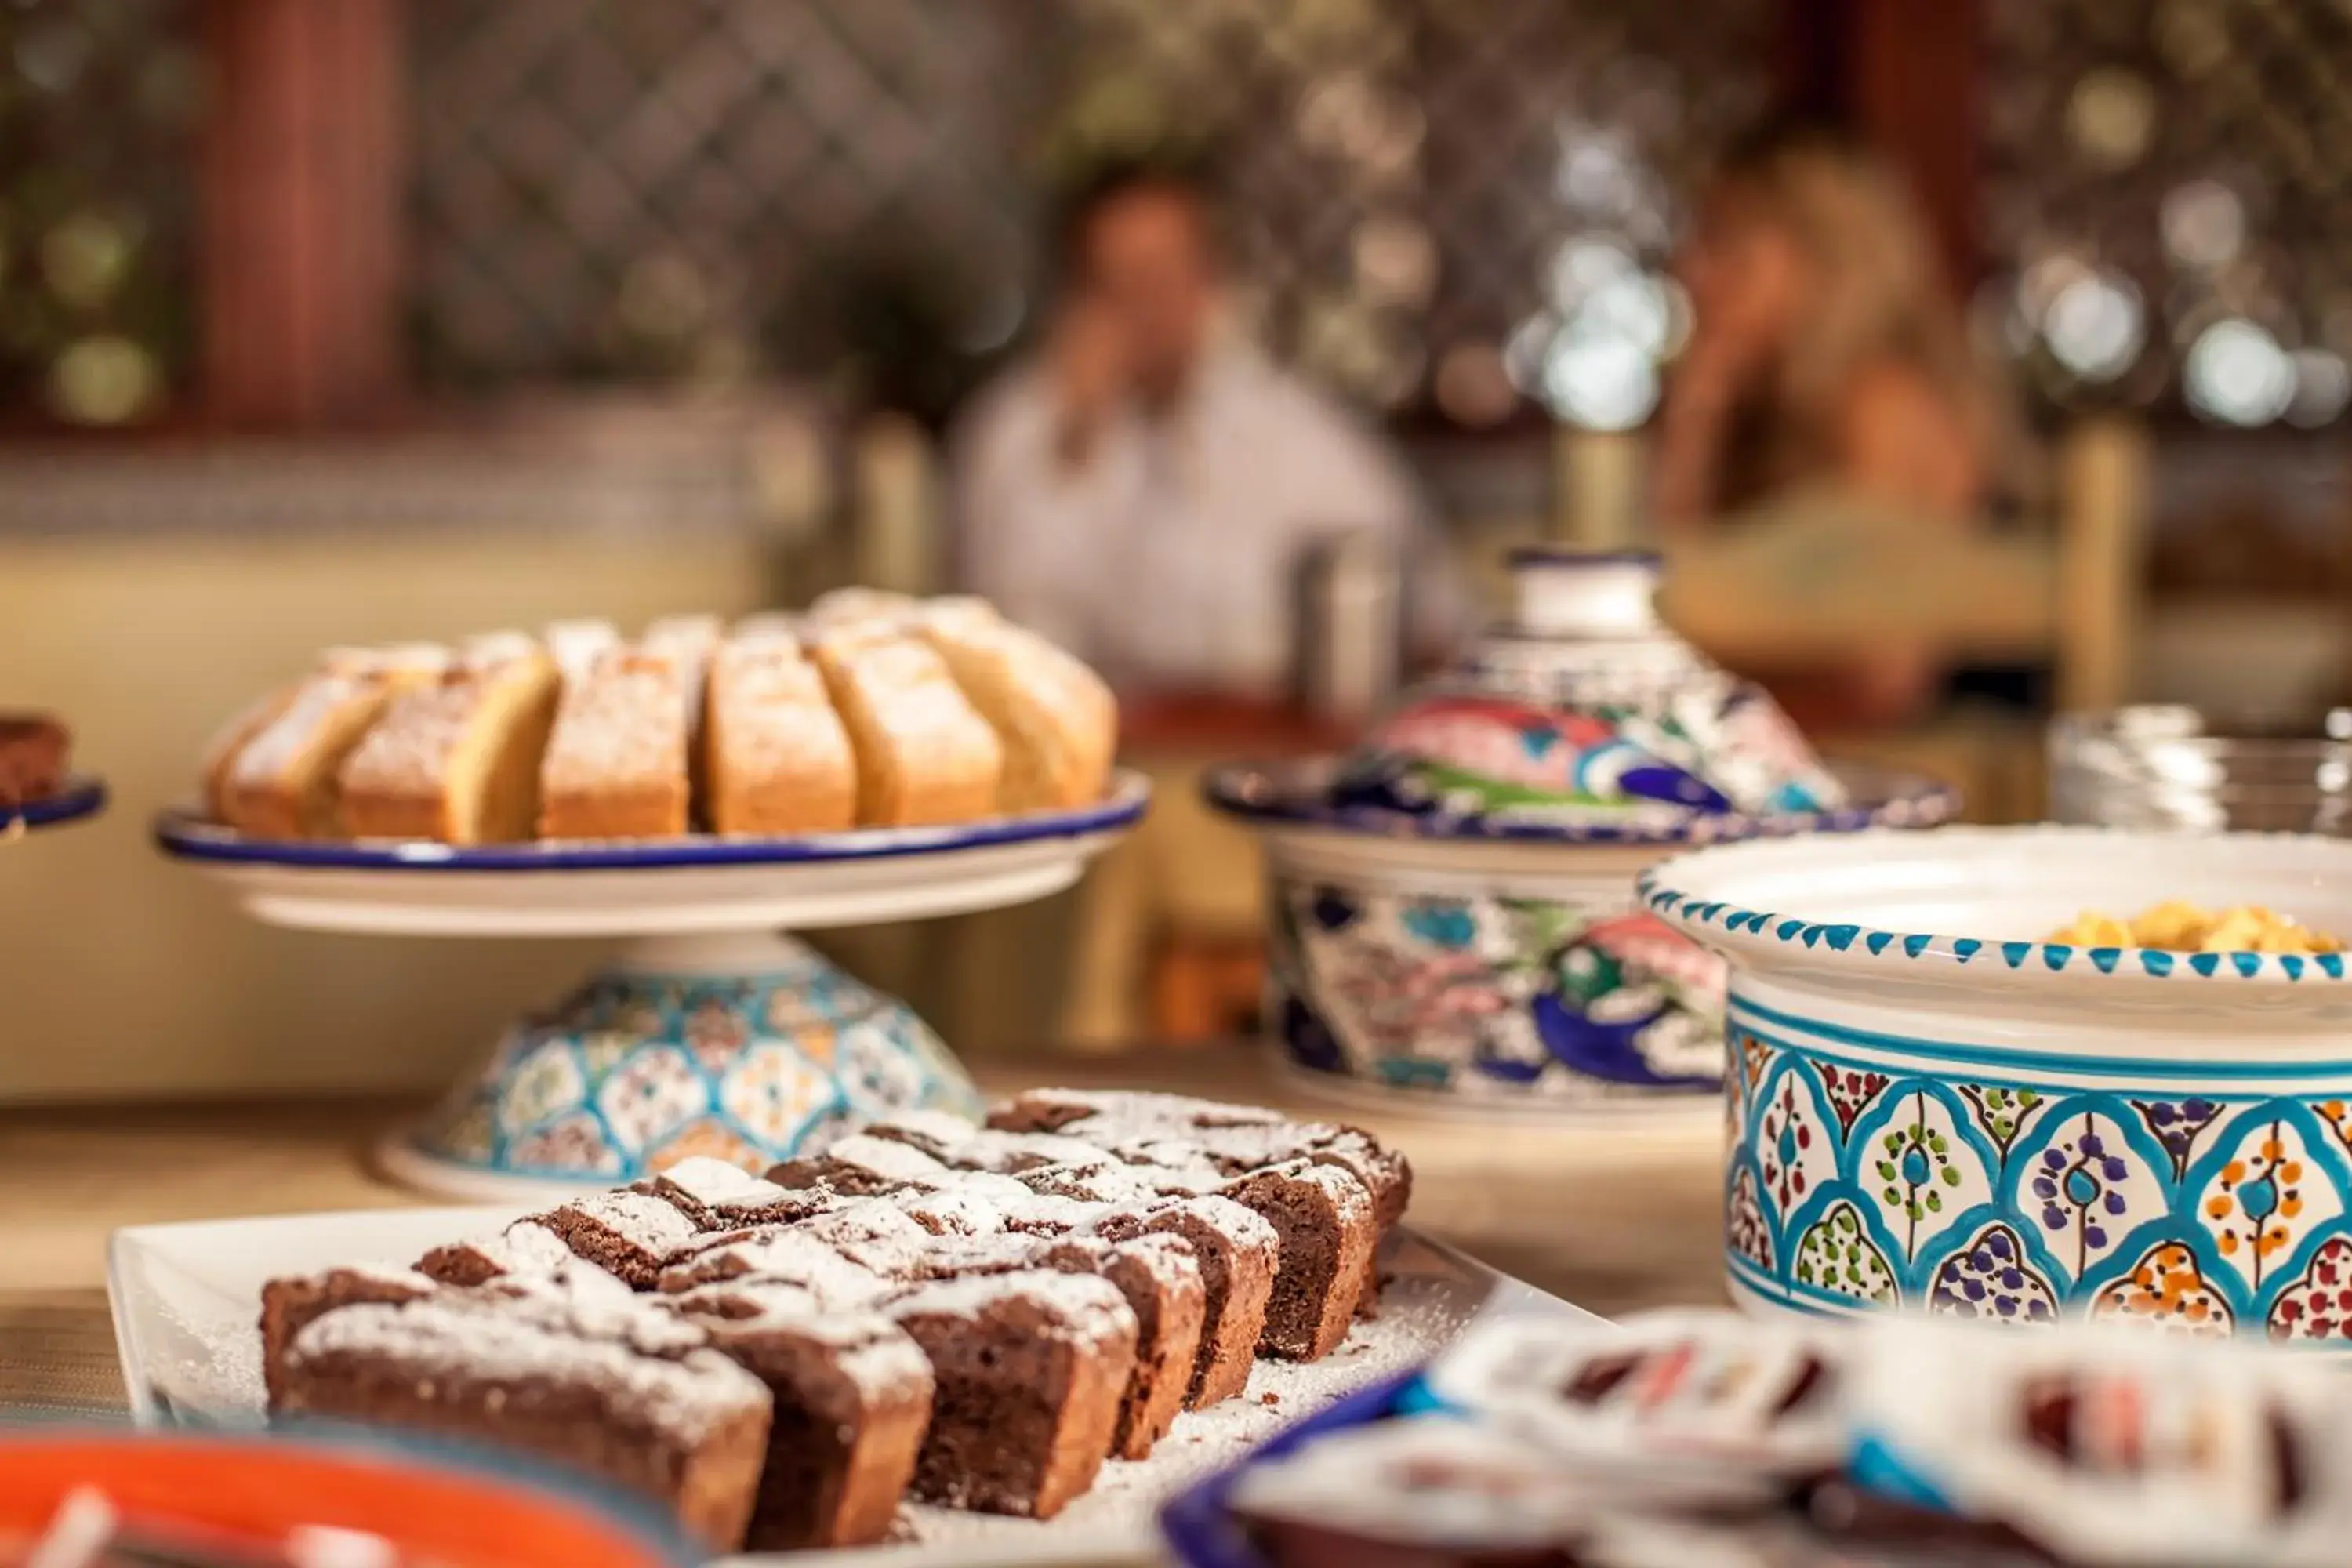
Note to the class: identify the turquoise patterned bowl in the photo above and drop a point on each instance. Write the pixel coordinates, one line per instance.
(1933, 1108)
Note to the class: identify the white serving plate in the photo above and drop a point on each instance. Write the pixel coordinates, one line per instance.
(696, 884)
(186, 1303)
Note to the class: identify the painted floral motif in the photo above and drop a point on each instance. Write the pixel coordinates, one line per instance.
(2262, 1201)
(772, 1090)
(2086, 1189)
(715, 1031)
(576, 1144)
(708, 1138)
(1923, 1171)
(2003, 1113)
(650, 1096)
(2318, 1306)
(1745, 1229)
(1991, 1280)
(2177, 1124)
(546, 1080)
(1496, 994)
(874, 1070)
(601, 1051)
(1836, 1256)
(1794, 1152)
(789, 1011)
(2165, 1289)
(1755, 1055)
(2338, 1115)
(1851, 1092)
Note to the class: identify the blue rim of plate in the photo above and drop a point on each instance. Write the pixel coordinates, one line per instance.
(187, 836)
(1297, 794)
(81, 797)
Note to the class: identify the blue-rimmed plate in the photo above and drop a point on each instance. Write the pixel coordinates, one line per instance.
(82, 797)
(698, 883)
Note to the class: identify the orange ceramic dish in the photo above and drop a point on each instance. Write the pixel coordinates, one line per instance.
(255, 1491)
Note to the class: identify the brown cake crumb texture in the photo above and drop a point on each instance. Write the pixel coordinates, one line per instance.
(974, 1316)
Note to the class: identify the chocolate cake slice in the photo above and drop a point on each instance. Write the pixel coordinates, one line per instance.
(1030, 1371)
(862, 1167)
(1324, 1218)
(688, 1433)
(1238, 1258)
(526, 1250)
(290, 1305)
(631, 1234)
(716, 1196)
(791, 1257)
(851, 1396)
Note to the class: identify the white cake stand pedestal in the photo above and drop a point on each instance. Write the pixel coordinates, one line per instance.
(714, 1033)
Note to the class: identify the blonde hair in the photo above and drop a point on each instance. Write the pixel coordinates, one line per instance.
(1878, 296)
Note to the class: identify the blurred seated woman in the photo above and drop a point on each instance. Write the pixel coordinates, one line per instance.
(1825, 361)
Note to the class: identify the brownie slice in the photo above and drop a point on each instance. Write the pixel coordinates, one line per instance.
(33, 749)
(1324, 1218)
(1030, 1370)
(953, 1142)
(790, 1257)
(862, 1167)
(1237, 1139)
(852, 1394)
(290, 1305)
(689, 1433)
(526, 1250)
(716, 1196)
(631, 1234)
(1238, 1251)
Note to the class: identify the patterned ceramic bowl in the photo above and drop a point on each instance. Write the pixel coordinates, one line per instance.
(1932, 1108)
(1452, 915)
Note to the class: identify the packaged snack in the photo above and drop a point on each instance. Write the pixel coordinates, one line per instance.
(1417, 1490)
(2099, 1446)
(1755, 1404)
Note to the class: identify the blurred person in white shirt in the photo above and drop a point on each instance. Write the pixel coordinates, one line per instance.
(1143, 489)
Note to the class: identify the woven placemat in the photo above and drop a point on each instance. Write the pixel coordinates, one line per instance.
(57, 1356)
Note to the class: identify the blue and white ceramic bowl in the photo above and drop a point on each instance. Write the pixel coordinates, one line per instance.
(1933, 1108)
(1451, 916)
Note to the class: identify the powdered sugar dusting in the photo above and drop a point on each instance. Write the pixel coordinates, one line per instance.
(624, 725)
(430, 1338)
(1085, 1306)
(1416, 1323)
(269, 754)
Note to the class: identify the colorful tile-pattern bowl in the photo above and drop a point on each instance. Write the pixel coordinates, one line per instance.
(1932, 1109)
(643, 1068)
(1492, 974)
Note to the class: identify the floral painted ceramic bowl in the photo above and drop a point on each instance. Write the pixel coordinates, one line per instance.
(1933, 1108)
(1452, 910)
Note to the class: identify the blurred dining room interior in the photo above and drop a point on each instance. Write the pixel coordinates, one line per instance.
(1968, 363)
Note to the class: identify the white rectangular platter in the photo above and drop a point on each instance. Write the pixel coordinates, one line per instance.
(186, 1300)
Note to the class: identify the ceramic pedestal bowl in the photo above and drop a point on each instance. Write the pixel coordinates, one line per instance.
(1432, 962)
(1931, 1108)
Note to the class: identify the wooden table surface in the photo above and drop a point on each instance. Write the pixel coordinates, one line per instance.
(1611, 1217)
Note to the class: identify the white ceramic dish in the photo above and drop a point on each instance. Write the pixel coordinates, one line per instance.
(712, 1033)
(1933, 1108)
(701, 883)
(186, 1298)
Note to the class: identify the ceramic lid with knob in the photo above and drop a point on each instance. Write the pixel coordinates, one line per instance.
(1582, 718)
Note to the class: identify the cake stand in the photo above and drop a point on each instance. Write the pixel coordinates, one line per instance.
(714, 1033)
(80, 799)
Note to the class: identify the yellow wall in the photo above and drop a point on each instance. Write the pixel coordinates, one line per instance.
(125, 975)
